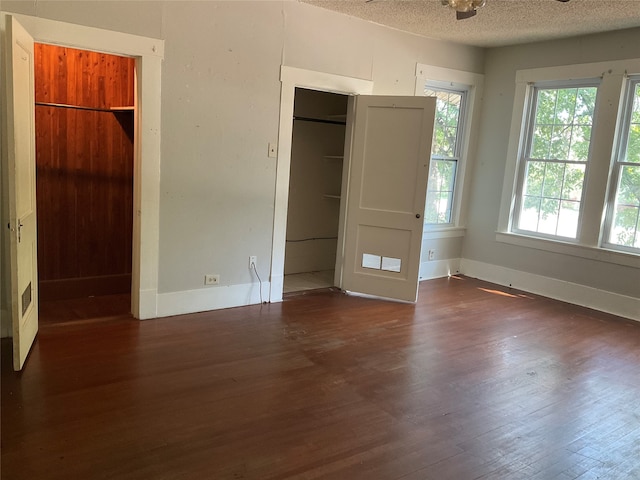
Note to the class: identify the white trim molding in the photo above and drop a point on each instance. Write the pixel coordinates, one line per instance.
(292, 77)
(439, 268)
(611, 77)
(609, 302)
(213, 298)
(149, 53)
(473, 84)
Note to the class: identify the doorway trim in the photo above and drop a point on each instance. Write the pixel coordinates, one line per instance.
(290, 78)
(148, 54)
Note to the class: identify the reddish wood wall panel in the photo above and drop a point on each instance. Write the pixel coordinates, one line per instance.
(79, 77)
(84, 164)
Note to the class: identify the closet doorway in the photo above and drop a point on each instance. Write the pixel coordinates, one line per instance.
(84, 122)
(317, 154)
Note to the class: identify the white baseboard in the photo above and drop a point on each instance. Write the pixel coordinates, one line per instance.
(439, 268)
(213, 298)
(621, 305)
(276, 288)
(148, 301)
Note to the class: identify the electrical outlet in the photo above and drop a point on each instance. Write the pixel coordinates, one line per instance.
(432, 254)
(253, 260)
(212, 279)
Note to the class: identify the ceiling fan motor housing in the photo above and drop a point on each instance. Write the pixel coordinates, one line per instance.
(466, 5)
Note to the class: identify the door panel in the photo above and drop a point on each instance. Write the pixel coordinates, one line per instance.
(389, 165)
(22, 195)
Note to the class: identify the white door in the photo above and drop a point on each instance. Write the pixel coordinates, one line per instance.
(22, 190)
(389, 150)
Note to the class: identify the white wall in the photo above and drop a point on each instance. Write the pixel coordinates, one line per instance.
(220, 106)
(215, 216)
(480, 245)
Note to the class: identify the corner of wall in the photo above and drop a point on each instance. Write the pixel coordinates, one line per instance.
(604, 301)
(439, 268)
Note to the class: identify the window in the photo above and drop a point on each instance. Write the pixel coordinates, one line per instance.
(457, 95)
(554, 160)
(445, 153)
(572, 178)
(623, 219)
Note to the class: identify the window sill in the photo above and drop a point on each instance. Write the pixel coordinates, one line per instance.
(592, 253)
(434, 232)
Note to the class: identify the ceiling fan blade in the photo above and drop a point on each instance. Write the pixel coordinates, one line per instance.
(463, 15)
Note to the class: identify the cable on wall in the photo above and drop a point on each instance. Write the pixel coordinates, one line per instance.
(259, 281)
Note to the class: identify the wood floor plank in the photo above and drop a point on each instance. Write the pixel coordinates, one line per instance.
(474, 381)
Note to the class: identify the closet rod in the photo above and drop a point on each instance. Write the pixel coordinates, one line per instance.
(78, 107)
(319, 120)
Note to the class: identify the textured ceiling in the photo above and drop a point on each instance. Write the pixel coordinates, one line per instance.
(499, 23)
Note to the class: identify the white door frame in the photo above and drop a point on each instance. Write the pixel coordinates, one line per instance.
(148, 53)
(291, 78)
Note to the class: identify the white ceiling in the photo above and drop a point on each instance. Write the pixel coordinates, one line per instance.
(499, 23)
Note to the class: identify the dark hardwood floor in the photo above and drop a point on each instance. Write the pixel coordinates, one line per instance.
(473, 382)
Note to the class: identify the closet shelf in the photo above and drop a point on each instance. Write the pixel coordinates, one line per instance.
(333, 157)
(320, 120)
(326, 195)
(92, 109)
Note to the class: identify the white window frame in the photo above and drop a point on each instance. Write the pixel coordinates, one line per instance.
(622, 137)
(458, 81)
(525, 150)
(463, 91)
(602, 150)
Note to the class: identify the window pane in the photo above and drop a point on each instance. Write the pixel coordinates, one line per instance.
(573, 181)
(431, 208)
(624, 230)
(568, 219)
(585, 103)
(633, 147)
(546, 107)
(442, 174)
(633, 142)
(581, 138)
(445, 132)
(635, 115)
(541, 141)
(562, 126)
(535, 177)
(551, 204)
(560, 140)
(530, 214)
(548, 222)
(553, 176)
(448, 146)
(453, 109)
(565, 106)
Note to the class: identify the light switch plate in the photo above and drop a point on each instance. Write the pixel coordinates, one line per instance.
(273, 150)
